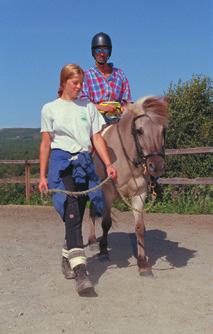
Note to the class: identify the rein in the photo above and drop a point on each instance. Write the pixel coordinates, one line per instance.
(122, 144)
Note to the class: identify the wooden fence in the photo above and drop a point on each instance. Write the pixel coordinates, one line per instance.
(28, 181)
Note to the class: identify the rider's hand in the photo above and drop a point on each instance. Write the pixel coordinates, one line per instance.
(106, 108)
(43, 185)
(112, 172)
(111, 108)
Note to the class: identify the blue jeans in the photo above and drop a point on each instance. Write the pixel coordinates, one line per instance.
(74, 208)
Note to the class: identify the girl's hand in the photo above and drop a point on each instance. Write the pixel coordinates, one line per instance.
(43, 185)
(112, 172)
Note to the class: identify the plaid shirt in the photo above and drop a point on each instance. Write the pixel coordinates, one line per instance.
(98, 89)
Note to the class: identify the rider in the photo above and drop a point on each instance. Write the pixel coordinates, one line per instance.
(105, 85)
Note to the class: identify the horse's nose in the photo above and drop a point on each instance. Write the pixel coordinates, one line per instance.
(152, 167)
(156, 166)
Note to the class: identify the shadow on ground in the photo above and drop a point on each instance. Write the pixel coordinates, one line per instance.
(122, 246)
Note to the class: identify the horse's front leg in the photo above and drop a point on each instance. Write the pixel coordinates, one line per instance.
(138, 204)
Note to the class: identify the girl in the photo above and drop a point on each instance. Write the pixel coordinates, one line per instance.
(69, 128)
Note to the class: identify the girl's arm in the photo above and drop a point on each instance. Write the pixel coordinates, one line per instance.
(44, 157)
(101, 148)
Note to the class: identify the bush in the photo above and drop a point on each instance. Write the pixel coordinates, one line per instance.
(191, 125)
(12, 194)
(188, 199)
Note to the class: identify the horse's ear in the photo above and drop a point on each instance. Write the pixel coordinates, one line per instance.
(148, 100)
(165, 99)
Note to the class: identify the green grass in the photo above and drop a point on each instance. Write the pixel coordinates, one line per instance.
(170, 199)
(179, 199)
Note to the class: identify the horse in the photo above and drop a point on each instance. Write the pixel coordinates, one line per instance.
(136, 148)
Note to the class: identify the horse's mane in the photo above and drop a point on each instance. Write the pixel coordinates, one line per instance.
(154, 107)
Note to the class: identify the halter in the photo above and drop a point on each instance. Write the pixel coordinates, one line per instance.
(141, 158)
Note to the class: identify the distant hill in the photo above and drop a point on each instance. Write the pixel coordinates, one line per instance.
(19, 143)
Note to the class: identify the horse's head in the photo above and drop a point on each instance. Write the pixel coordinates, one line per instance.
(150, 118)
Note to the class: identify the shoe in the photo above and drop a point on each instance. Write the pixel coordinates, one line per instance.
(66, 269)
(83, 284)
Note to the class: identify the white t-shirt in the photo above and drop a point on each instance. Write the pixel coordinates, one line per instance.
(71, 124)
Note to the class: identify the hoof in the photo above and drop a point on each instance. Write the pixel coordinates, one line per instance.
(103, 256)
(148, 274)
(88, 293)
(94, 246)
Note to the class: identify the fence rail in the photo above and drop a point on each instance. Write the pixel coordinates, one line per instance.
(28, 181)
(190, 150)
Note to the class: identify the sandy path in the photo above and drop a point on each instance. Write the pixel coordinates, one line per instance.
(36, 299)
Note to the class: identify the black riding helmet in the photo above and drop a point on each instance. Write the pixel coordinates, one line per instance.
(99, 40)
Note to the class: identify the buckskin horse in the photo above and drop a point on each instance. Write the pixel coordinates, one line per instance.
(136, 147)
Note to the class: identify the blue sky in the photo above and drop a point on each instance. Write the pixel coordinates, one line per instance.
(155, 42)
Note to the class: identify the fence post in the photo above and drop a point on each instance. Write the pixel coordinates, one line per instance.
(27, 180)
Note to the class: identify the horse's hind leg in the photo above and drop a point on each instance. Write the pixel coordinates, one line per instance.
(143, 267)
(106, 225)
(92, 241)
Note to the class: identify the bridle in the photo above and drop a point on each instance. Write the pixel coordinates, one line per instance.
(141, 158)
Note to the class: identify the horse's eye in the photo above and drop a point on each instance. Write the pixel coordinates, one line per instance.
(139, 131)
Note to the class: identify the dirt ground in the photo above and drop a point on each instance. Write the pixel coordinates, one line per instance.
(36, 299)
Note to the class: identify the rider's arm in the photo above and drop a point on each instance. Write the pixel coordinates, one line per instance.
(125, 93)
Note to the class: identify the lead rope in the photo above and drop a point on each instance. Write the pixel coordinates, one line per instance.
(85, 192)
(153, 195)
(72, 193)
